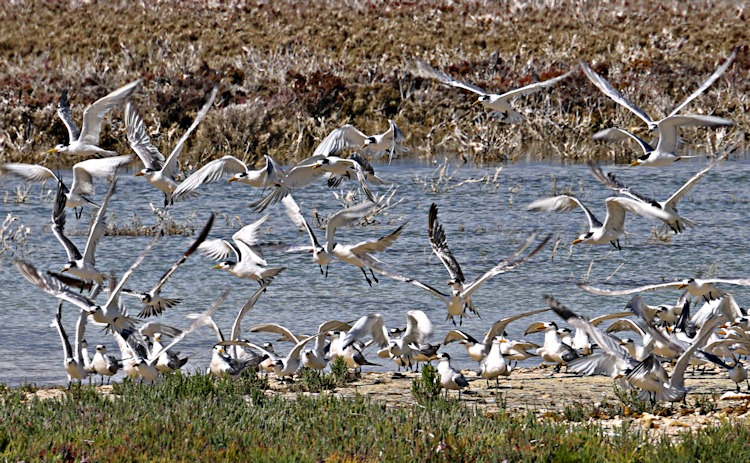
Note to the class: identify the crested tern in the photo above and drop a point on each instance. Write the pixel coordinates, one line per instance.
(84, 142)
(500, 103)
(349, 136)
(450, 378)
(160, 172)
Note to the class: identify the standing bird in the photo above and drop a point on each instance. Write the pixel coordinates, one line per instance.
(85, 142)
(74, 365)
(500, 103)
(159, 173)
(450, 378)
(104, 364)
(349, 136)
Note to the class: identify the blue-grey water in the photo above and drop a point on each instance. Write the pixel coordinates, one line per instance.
(484, 222)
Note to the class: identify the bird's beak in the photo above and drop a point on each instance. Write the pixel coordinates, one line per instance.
(682, 285)
(721, 333)
(634, 163)
(534, 328)
(65, 269)
(139, 174)
(232, 179)
(577, 240)
(216, 266)
(53, 150)
(476, 102)
(221, 350)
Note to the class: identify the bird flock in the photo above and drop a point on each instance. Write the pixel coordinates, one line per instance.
(673, 336)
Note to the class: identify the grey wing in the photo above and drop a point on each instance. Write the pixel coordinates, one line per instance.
(717, 73)
(98, 228)
(610, 181)
(275, 328)
(58, 224)
(615, 218)
(439, 245)
(66, 115)
(342, 138)
(602, 84)
(94, 114)
(61, 331)
(345, 217)
(371, 324)
(29, 172)
(218, 249)
(53, 286)
(418, 328)
(201, 238)
(398, 135)
(139, 140)
(618, 134)
(170, 167)
(85, 171)
(211, 172)
(237, 325)
(498, 327)
(535, 87)
(562, 203)
(684, 189)
(151, 328)
(668, 137)
(425, 70)
(380, 244)
(624, 292)
(458, 335)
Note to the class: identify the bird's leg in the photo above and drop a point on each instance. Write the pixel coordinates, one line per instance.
(326, 271)
(78, 212)
(374, 277)
(366, 277)
(321, 269)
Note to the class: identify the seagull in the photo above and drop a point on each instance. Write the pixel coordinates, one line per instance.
(237, 171)
(73, 363)
(639, 204)
(450, 378)
(159, 172)
(250, 264)
(598, 232)
(493, 101)
(664, 153)
(309, 170)
(154, 302)
(85, 142)
(697, 287)
(349, 136)
(83, 177)
(478, 350)
(460, 297)
(80, 265)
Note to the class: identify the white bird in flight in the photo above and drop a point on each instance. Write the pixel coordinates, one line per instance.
(160, 172)
(84, 142)
(349, 136)
(496, 102)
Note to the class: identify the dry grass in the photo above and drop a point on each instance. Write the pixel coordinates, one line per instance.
(292, 71)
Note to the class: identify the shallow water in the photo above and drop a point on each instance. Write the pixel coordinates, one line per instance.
(484, 222)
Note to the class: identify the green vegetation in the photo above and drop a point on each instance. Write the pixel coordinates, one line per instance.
(292, 71)
(201, 418)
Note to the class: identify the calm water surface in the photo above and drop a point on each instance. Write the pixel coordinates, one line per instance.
(484, 222)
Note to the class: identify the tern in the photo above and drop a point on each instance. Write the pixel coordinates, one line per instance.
(160, 172)
(80, 265)
(250, 263)
(460, 297)
(665, 211)
(478, 350)
(667, 127)
(598, 232)
(494, 365)
(450, 378)
(697, 287)
(283, 366)
(499, 103)
(553, 350)
(104, 364)
(154, 302)
(309, 170)
(83, 177)
(73, 363)
(349, 136)
(236, 170)
(85, 142)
